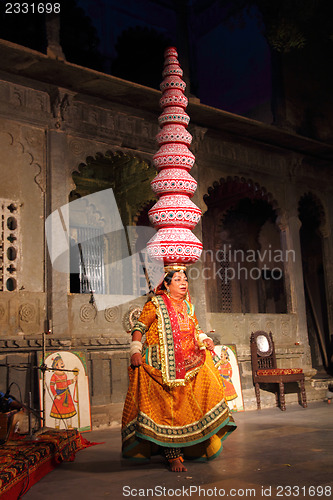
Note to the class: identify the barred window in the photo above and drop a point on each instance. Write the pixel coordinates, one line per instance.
(87, 260)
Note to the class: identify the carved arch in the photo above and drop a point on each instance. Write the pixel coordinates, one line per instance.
(141, 217)
(30, 158)
(224, 195)
(231, 189)
(239, 223)
(123, 172)
(22, 207)
(80, 151)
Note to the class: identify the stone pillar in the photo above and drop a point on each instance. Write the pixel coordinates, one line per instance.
(58, 282)
(291, 247)
(197, 285)
(327, 246)
(198, 270)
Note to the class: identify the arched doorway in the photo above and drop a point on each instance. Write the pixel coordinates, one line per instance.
(243, 253)
(123, 173)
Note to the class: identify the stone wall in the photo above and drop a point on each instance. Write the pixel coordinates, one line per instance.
(47, 131)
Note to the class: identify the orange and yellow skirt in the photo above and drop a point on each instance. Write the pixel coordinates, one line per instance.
(194, 416)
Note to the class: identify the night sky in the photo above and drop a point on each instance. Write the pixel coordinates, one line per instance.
(231, 61)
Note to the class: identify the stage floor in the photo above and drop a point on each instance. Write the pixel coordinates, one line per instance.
(270, 452)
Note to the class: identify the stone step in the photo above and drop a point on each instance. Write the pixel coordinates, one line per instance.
(324, 386)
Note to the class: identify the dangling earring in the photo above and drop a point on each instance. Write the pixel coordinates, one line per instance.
(168, 291)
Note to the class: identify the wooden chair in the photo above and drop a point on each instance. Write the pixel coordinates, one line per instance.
(264, 369)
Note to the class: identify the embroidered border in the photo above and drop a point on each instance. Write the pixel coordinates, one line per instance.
(190, 312)
(145, 427)
(129, 430)
(168, 365)
(153, 358)
(167, 354)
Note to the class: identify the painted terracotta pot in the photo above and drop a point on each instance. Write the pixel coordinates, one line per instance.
(174, 181)
(174, 214)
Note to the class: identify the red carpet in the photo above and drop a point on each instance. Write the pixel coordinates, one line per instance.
(23, 463)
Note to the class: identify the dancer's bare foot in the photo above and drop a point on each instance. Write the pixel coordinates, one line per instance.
(177, 466)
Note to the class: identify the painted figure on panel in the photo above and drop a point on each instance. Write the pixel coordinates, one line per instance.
(225, 369)
(63, 405)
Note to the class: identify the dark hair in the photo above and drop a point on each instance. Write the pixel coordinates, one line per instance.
(169, 277)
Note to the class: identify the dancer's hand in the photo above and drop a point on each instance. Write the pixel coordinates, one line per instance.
(136, 359)
(209, 344)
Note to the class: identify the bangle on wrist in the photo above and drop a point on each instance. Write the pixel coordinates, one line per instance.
(203, 336)
(135, 347)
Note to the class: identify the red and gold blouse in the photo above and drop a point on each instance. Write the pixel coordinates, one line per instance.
(172, 343)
